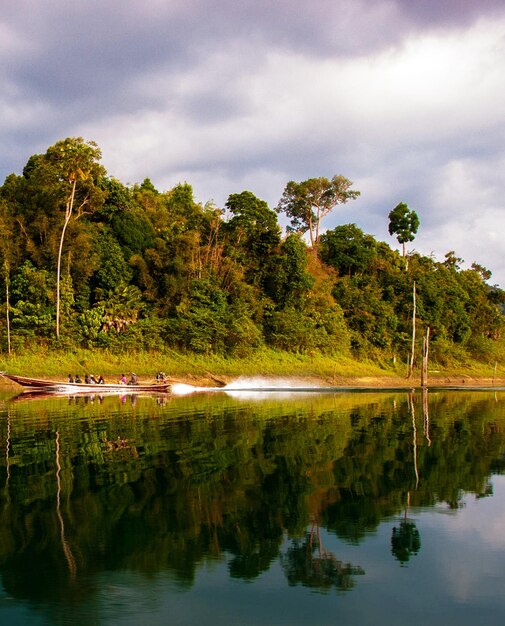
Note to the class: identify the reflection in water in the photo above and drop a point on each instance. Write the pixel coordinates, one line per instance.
(7, 450)
(405, 538)
(426, 416)
(405, 541)
(72, 568)
(173, 488)
(414, 435)
(322, 571)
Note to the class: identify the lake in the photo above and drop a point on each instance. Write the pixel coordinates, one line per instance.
(363, 508)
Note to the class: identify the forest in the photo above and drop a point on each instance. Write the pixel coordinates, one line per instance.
(87, 261)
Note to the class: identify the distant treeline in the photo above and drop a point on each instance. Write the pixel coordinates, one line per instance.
(88, 261)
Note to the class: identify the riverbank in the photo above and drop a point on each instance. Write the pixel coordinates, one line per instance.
(281, 367)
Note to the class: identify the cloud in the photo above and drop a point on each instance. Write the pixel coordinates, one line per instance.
(479, 526)
(450, 13)
(403, 97)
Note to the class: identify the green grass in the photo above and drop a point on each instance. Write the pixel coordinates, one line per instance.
(57, 364)
(270, 363)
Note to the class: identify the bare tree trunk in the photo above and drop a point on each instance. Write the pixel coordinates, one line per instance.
(68, 215)
(424, 371)
(311, 232)
(7, 308)
(411, 364)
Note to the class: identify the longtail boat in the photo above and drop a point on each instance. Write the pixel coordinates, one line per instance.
(66, 387)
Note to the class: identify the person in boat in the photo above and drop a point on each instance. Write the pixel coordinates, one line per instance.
(77, 379)
(101, 380)
(70, 378)
(87, 379)
(122, 380)
(92, 379)
(133, 380)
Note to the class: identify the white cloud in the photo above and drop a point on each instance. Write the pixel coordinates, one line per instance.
(478, 526)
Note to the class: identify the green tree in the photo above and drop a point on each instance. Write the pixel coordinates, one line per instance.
(9, 253)
(118, 198)
(370, 317)
(452, 261)
(347, 249)
(134, 231)
(201, 324)
(112, 269)
(147, 185)
(403, 223)
(76, 166)
(121, 307)
(308, 202)
(32, 297)
(251, 218)
(290, 281)
(64, 179)
(253, 231)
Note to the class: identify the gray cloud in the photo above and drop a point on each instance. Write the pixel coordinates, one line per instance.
(450, 13)
(404, 97)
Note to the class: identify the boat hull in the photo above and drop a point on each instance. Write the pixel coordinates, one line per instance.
(61, 387)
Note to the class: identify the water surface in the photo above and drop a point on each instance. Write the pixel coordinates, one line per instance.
(281, 509)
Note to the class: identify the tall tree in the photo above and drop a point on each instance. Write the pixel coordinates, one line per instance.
(74, 166)
(308, 202)
(8, 253)
(403, 223)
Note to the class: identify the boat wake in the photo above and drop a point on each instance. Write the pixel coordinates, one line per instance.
(248, 386)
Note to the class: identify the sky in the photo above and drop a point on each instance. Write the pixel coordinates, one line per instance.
(405, 98)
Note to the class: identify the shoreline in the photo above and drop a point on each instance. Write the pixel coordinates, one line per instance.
(352, 382)
(282, 369)
(355, 382)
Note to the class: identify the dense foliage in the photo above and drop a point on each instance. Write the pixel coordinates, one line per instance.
(148, 269)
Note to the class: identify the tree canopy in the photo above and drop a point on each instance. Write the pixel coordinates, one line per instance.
(308, 202)
(403, 223)
(131, 266)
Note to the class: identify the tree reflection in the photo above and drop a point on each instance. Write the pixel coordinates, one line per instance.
(172, 488)
(69, 557)
(308, 563)
(405, 539)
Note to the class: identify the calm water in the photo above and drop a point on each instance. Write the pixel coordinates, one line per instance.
(271, 509)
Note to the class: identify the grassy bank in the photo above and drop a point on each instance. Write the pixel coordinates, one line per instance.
(335, 370)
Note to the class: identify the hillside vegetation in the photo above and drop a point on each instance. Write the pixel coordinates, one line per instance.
(91, 263)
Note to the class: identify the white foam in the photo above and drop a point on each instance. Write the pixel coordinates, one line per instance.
(181, 389)
(261, 382)
(245, 384)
